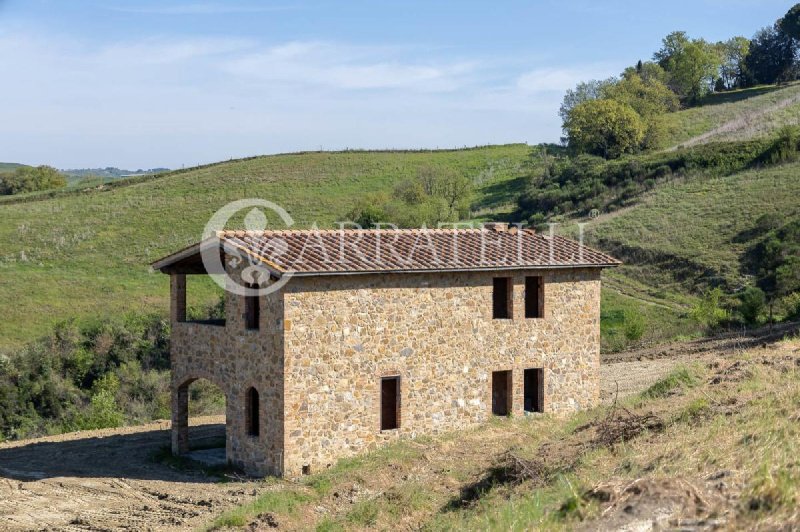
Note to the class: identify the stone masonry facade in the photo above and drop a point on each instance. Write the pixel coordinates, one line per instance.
(325, 342)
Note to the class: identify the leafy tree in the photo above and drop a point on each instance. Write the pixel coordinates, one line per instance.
(751, 303)
(30, 179)
(790, 23)
(772, 57)
(671, 46)
(604, 127)
(733, 72)
(583, 92)
(650, 98)
(692, 64)
(648, 71)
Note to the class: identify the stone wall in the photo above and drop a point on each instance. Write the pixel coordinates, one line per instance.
(324, 343)
(343, 333)
(235, 359)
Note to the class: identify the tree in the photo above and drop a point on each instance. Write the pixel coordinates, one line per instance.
(772, 57)
(583, 92)
(733, 72)
(692, 65)
(648, 71)
(604, 127)
(671, 46)
(650, 98)
(790, 23)
(30, 179)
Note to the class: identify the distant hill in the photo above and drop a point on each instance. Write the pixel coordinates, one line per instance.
(10, 167)
(95, 259)
(110, 171)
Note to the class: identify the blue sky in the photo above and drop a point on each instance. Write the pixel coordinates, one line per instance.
(139, 84)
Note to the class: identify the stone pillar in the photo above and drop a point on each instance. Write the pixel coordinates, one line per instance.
(180, 419)
(177, 299)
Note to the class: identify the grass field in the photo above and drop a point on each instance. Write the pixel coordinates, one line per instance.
(623, 466)
(87, 252)
(749, 113)
(686, 234)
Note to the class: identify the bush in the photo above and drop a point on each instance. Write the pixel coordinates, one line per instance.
(708, 312)
(587, 182)
(634, 326)
(752, 302)
(89, 374)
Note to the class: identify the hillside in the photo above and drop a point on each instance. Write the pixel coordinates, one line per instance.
(9, 167)
(735, 115)
(86, 252)
(686, 235)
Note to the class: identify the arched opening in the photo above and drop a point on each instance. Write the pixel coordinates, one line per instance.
(252, 412)
(198, 416)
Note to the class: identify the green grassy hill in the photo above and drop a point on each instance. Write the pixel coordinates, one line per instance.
(85, 250)
(736, 115)
(80, 252)
(686, 235)
(9, 167)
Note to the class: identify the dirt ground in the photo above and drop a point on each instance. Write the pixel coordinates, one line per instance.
(109, 479)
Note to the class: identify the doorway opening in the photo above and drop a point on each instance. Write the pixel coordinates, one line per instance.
(534, 390)
(199, 424)
(501, 393)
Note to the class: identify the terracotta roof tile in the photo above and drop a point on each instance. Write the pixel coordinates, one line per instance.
(352, 251)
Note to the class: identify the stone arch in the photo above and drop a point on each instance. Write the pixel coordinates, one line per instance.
(180, 410)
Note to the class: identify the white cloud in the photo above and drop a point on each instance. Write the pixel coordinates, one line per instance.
(348, 67)
(560, 79)
(167, 102)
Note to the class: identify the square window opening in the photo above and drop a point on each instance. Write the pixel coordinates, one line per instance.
(534, 390)
(390, 403)
(502, 297)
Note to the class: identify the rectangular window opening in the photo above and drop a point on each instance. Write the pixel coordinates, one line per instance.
(502, 297)
(534, 390)
(534, 297)
(251, 310)
(501, 393)
(390, 403)
(252, 411)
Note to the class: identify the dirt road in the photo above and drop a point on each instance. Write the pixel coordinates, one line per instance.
(108, 479)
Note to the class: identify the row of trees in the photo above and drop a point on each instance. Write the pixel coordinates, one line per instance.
(31, 179)
(623, 115)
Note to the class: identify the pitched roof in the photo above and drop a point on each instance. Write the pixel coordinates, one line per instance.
(323, 252)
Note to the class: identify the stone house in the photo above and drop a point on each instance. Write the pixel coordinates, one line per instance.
(361, 337)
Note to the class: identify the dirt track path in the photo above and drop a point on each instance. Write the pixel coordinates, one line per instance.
(108, 480)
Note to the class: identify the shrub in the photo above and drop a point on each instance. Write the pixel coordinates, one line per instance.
(708, 311)
(752, 302)
(634, 326)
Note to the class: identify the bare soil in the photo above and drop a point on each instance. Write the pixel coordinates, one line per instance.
(111, 480)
